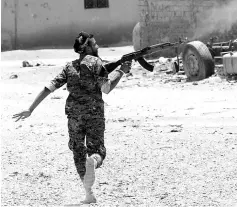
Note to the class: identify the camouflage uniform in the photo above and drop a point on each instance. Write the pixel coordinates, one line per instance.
(84, 108)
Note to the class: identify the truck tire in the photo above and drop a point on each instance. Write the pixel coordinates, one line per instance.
(197, 61)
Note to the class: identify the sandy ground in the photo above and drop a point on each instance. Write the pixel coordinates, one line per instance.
(169, 142)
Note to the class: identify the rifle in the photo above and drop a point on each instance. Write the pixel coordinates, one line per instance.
(138, 56)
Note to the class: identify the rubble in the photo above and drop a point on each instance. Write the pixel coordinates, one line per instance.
(27, 63)
(13, 76)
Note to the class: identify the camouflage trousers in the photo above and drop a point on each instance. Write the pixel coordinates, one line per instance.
(86, 137)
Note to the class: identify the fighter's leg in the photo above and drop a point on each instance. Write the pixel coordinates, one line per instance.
(95, 129)
(76, 129)
(96, 153)
(89, 180)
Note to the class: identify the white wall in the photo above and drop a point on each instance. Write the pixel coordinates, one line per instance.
(34, 23)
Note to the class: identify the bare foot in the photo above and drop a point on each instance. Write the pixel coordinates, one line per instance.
(90, 198)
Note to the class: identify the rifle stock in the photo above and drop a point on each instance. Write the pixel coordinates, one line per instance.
(112, 66)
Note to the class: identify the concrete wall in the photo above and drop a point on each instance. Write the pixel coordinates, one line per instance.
(167, 20)
(34, 23)
(8, 24)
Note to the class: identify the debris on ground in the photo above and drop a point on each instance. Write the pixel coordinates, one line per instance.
(13, 76)
(26, 63)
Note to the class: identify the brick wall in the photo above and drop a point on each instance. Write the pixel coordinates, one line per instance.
(167, 20)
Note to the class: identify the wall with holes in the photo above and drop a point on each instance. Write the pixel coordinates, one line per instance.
(167, 20)
(55, 23)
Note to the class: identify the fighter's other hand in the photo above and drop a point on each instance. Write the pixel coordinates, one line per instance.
(126, 66)
(22, 115)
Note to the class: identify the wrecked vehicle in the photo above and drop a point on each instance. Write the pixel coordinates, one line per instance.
(199, 59)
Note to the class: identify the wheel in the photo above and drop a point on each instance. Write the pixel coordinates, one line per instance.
(197, 61)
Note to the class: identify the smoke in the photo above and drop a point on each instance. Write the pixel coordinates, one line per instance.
(220, 18)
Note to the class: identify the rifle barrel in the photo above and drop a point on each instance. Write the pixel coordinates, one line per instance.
(164, 45)
(155, 48)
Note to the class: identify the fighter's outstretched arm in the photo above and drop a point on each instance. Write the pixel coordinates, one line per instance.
(26, 113)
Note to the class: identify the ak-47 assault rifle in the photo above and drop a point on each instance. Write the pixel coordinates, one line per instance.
(139, 56)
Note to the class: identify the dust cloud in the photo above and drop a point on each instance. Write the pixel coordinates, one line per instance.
(220, 19)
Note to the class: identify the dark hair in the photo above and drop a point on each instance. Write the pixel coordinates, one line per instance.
(80, 42)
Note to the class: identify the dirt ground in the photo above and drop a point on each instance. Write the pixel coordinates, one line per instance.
(169, 142)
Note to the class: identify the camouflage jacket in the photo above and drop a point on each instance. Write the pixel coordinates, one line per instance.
(83, 85)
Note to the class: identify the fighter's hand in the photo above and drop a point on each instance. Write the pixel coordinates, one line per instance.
(22, 115)
(126, 66)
